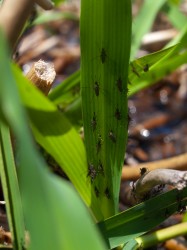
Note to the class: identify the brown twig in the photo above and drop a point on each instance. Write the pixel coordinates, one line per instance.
(177, 162)
(42, 75)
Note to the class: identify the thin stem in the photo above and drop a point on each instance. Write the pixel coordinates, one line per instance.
(162, 235)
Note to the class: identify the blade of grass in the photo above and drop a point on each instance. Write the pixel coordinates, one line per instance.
(54, 16)
(162, 235)
(157, 72)
(141, 26)
(105, 47)
(139, 219)
(176, 17)
(11, 189)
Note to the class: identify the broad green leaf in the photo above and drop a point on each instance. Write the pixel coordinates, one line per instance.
(105, 32)
(10, 187)
(57, 136)
(50, 204)
(139, 219)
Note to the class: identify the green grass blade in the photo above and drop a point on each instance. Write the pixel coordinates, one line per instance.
(176, 17)
(141, 26)
(156, 72)
(11, 188)
(135, 221)
(57, 136)
(53, 211)
(54, 16)
(65, 92)
(105, 46)
(131, 245)
(180, 38)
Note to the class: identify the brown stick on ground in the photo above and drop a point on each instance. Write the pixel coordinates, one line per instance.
(42, 75)
(177, 162)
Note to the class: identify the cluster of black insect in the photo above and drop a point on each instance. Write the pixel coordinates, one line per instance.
(93, 172)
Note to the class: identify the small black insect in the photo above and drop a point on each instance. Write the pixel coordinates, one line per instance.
(92, 173)
(107, 193)
(100, 168)
(103, 55)
(99, 143)
(112, 136)
(146, 68)
(119, 84)
(134, 70)
(94, 122)
(143, 171)
(96, 191)
(117, 114)
(96, 88)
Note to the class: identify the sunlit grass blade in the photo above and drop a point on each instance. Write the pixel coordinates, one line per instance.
(156, 72)
(10, 188)
(139, 219)
(175, 16)
(140, 26)
(131, 245)
(54, 16)
(105, 48)
(49, 203)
